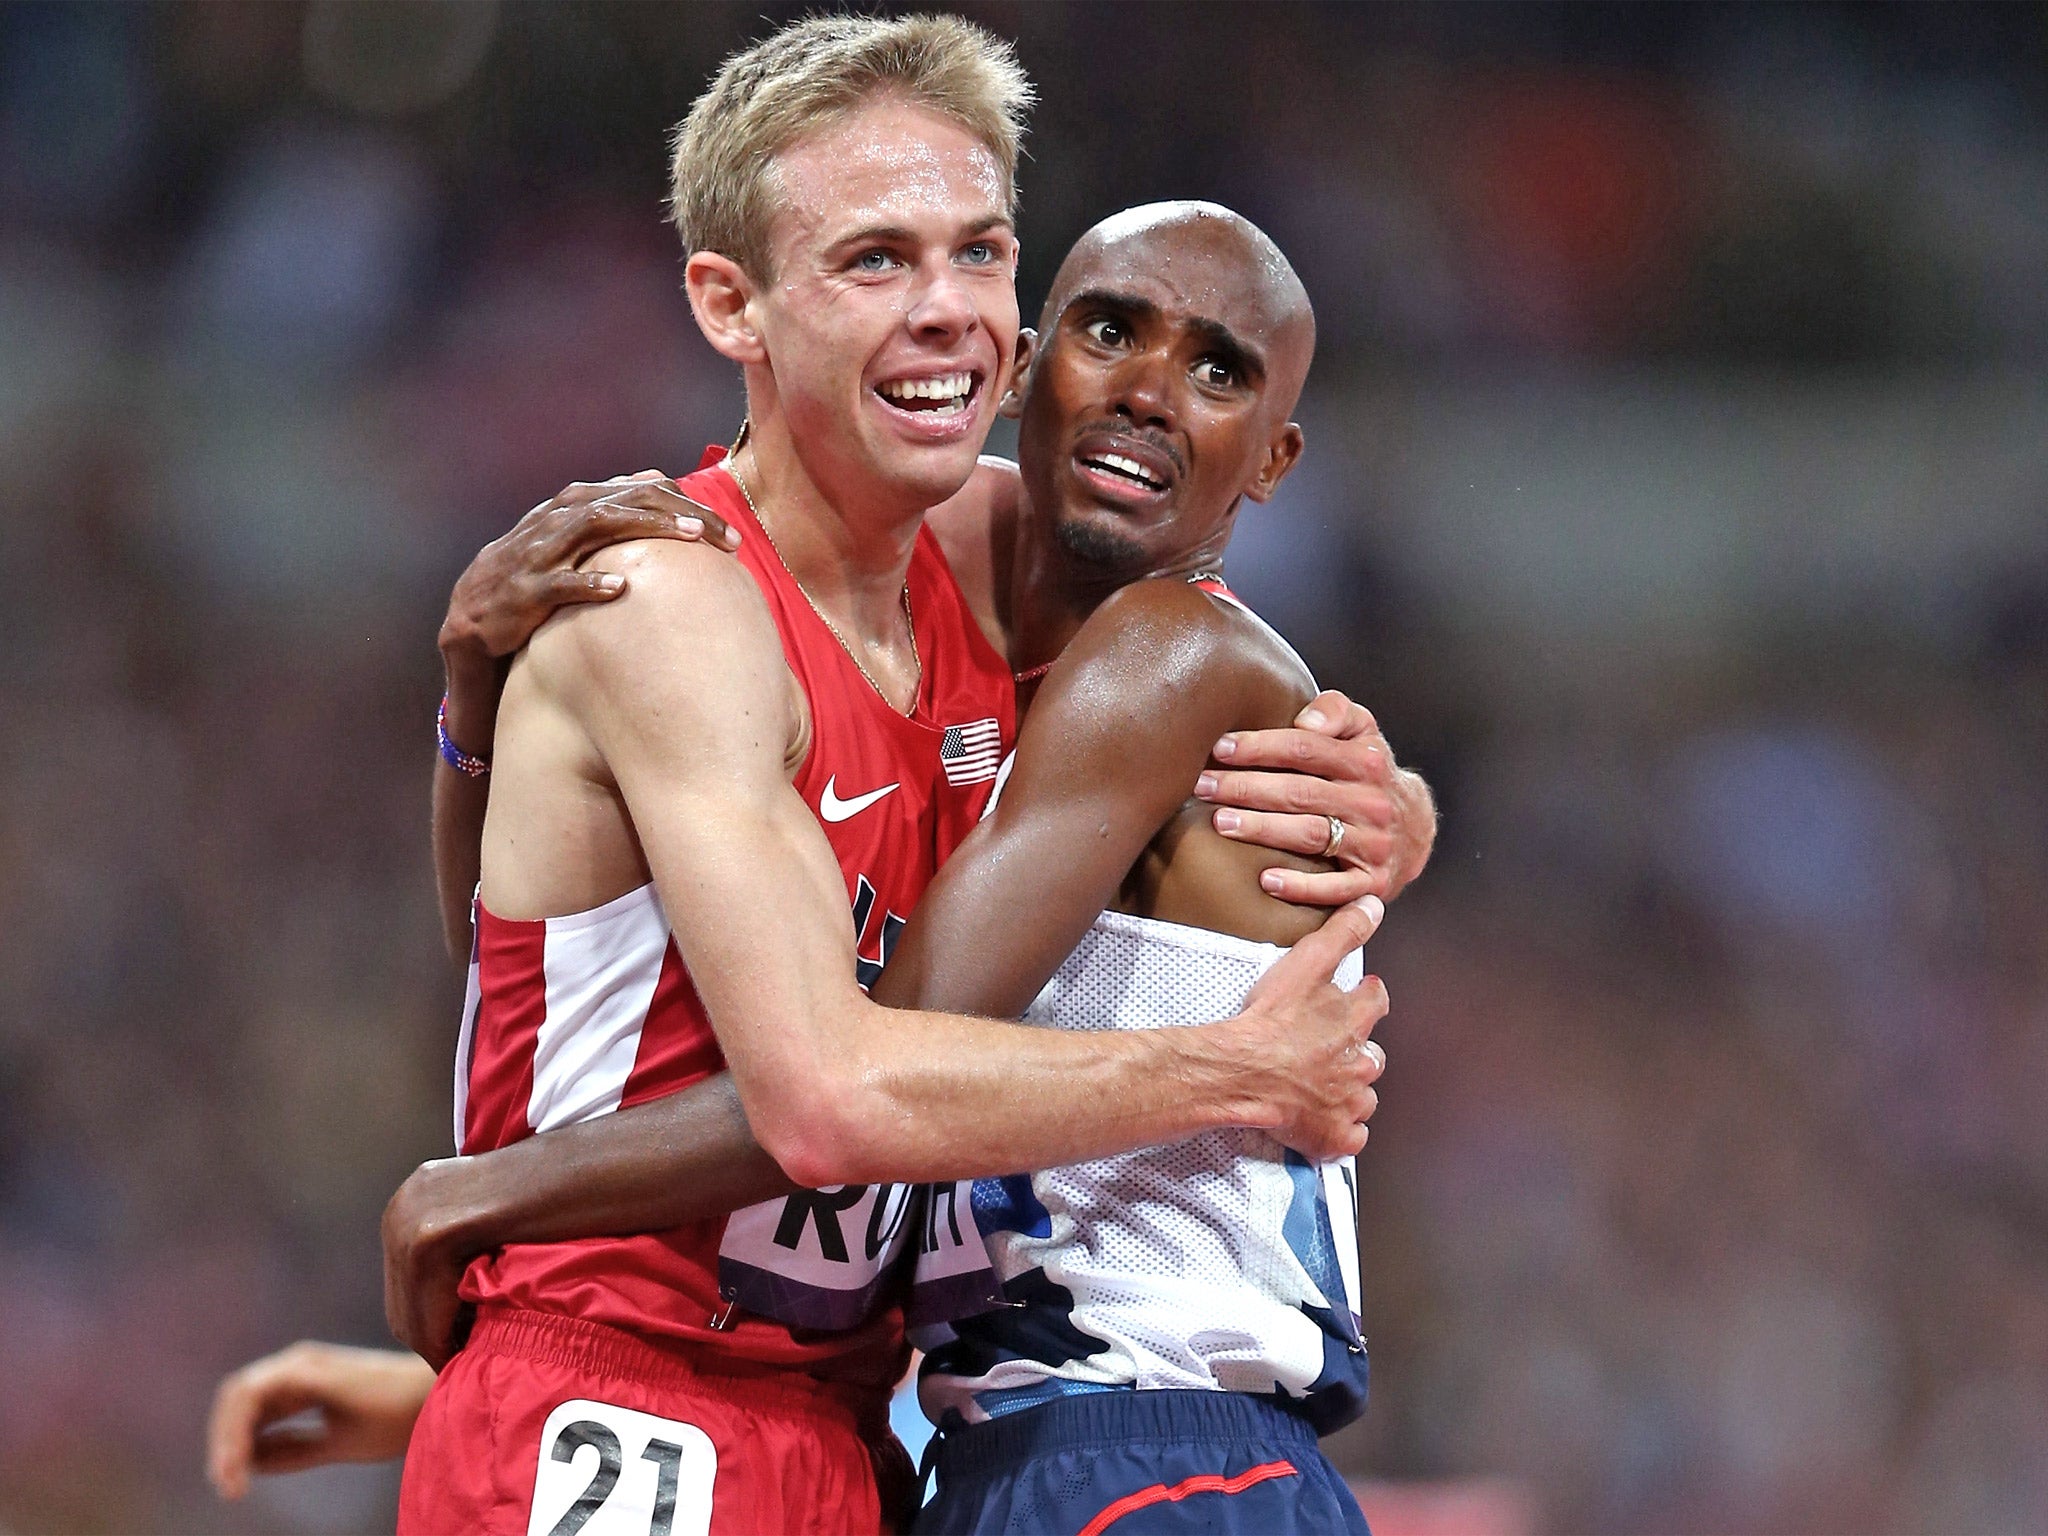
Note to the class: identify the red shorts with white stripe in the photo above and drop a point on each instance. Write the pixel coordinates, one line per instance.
(548, 1426)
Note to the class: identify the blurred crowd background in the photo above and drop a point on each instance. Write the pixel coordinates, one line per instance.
(1677, 494)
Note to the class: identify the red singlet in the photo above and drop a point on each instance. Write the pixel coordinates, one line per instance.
(576, 1016)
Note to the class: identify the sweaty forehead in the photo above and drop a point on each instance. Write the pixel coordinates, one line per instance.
(1202, 267)
(888, 163)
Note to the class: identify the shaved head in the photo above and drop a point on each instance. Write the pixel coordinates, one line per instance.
(1174, 346)
(1222, 263)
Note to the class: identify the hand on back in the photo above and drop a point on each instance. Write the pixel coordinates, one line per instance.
(1281, 788)
(1314, 1038)
(517, 580)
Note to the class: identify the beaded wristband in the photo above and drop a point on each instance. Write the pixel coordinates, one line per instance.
(451, 754)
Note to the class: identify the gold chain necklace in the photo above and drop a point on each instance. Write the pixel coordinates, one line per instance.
(916, 661)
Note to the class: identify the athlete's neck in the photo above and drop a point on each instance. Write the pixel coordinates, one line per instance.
(848, 546)
(1053, 591)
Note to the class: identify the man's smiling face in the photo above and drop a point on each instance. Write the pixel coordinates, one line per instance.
(1176, 341)
(891, 316)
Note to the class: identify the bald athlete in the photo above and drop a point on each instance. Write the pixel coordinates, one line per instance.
(1182, 1321)
(1176, 341)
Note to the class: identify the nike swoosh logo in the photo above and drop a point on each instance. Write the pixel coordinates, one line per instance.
(832, 808)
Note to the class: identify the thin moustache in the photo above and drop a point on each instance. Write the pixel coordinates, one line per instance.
(1151, 438)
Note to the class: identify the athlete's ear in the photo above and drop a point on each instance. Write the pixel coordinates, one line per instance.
(1012, 403)
(1282, 454)
(723, 299)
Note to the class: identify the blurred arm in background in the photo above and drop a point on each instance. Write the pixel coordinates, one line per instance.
(363, 1401)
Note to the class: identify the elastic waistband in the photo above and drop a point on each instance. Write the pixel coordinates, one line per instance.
(1090, 1420)
(602, 1350)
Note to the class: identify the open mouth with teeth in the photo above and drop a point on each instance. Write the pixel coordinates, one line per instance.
(947, 395)
(1125, 469)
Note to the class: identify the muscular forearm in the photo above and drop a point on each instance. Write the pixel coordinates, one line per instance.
(459, 800)
(655, 1166)
(915, 1096)
(919, 1096)
(693, 1156)
(687, 1157)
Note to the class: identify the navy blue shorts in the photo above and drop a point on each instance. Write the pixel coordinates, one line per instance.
(1138, 1464)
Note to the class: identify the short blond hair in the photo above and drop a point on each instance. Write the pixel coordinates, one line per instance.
(808, 76)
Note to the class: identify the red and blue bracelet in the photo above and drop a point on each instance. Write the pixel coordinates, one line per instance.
(451, 754)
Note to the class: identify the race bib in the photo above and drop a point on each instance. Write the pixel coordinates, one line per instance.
(607, 1471)
(828, 1258)
(819, 1258)
(953, 1276)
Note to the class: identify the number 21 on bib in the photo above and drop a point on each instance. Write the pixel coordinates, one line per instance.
(608, 1471)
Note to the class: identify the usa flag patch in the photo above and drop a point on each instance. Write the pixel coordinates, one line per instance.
(971, 753)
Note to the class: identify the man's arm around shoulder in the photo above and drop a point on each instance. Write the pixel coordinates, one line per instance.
(683, 693)
(1116, 735)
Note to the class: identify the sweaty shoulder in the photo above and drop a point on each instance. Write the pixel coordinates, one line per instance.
(685, 605)
(1159, 671)
(1185, 638)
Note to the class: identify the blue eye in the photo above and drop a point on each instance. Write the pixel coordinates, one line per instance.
(874, 261)
(980, 254)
